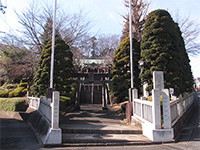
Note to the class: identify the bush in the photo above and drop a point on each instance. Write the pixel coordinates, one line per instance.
(12, 104)
(18, 92)
(64, 102)
(23, 85)
(8, 86)
(4, 93)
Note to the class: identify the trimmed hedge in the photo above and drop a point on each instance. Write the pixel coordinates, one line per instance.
(19, 91)
(8, 86)
(12, 104)
(5, 93)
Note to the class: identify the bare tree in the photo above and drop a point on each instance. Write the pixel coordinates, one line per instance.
(107, 44)
(190, 31)
(140, 10)
(16, 63)
(34, 19)
(99, 46)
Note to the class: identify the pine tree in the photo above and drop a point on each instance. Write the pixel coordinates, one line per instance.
(121, 68)
(163, 49)
(62, 69)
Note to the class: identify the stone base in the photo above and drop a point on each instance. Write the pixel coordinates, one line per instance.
(163, 134)
(157, 135)
(54, 136)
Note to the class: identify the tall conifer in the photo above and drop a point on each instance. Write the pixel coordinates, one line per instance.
(121, 68)
(62, 69)
(163, 49)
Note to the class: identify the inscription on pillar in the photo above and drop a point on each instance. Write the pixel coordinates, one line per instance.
(55, 110)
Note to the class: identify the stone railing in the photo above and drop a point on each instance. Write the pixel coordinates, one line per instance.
(46, 117)
(179, 106)
(45, 108)
(33, 102)
(148, 113)
(142, 109)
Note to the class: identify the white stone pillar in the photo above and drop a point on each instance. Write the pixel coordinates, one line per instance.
(55, 110)
(130, 94)
(166, 109)
(145, 93)
(158, 80)
(54, 135)
(156, 109)
(134, 94)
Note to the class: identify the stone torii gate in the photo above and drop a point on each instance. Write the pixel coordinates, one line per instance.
(92, 88)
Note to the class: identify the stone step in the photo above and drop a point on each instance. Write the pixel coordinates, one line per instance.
(102, 131)
(108, 139)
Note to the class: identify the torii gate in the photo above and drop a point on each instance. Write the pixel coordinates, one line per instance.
(91, 80)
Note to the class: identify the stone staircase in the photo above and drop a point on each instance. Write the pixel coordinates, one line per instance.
(93, 126)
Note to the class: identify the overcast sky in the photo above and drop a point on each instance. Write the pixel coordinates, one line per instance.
(106, 15)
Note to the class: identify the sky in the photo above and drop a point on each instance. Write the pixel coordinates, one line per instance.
(106, 15)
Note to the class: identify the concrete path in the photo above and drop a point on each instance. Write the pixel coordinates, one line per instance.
(189, 140)
(191, 132)
(16, 134)
(94, 126)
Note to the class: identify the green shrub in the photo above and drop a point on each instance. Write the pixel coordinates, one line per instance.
(24, 84)
(18, 92)
(64, 102)
(5, 93)
(2, 93)
(8, 86)
(12, 104)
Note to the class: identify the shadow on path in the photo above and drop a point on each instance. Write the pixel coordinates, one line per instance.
(191, 132)
(17, 134)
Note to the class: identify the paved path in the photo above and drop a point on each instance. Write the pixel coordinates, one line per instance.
(16, 134)
(189, 140)
(92, 125)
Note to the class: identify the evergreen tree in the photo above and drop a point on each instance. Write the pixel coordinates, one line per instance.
(163, 49)
(62, 69)
(48, 31)
(121, 68)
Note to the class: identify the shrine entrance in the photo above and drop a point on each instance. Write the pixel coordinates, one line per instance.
(93, 88)
(91, 94)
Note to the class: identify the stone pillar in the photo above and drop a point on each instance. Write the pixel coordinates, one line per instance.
(158, 80)
(92, 94)
(145, 93)
(130, 94)
(166, 109)
(156, 109)
(55, 110)
(134, 94)
(104, 107)
(54, 135)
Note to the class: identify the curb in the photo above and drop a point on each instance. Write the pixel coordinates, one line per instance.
(108, 144)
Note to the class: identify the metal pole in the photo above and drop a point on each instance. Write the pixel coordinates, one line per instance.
(53, 44)
(131, 46)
